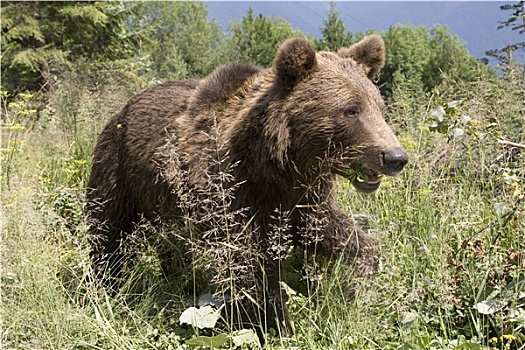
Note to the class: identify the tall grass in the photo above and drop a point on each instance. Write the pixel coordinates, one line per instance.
(451, 231)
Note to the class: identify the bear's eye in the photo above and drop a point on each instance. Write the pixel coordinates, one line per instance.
(352, 112)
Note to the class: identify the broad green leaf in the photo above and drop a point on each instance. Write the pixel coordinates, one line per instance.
(245, 337)
(489, 307)
(500, 208)
(458, 132)
(442, 128)
(205, 317)
(453, 104)
(213, 342)
(438, 113)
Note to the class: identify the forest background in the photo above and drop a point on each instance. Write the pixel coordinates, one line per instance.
(452, 228)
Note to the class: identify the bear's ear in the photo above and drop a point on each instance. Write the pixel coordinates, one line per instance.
(294, 61)
(369, 53)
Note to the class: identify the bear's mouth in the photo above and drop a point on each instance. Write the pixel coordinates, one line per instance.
(365, 180)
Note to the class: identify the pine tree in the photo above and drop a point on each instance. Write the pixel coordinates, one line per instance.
(39, 37)
(515, 22)
(334, 32)
(256, 38)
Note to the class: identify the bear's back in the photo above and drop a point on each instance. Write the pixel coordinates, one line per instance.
(222, 85)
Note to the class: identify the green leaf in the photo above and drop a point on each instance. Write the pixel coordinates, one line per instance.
(458, 132)
(408, 346)
(468, 346)
(453, 104)
(205, 317)
(357, 174)
(85, 12)
(489, 307)
(24, 31)
(245, 337)
(29, 58)
(500, 208)
(213, 342)
(438, 114)
(442, 128)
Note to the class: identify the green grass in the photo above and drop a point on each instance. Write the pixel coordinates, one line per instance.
(447, 254)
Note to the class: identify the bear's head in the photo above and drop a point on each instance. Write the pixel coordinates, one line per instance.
(331, 114)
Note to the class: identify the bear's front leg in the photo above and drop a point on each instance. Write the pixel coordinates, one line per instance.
(339, 237)
(259, 302)
(277, 316)
(264, 307)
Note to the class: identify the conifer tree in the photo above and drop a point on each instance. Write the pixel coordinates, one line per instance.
(256, 38)
(334, 32)
(515, 22)
(39, 37)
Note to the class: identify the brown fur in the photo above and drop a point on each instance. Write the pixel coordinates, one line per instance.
(284, 133)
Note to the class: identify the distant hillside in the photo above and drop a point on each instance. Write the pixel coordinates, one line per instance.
(474, 22)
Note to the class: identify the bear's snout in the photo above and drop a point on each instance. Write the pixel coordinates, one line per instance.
(394, 160)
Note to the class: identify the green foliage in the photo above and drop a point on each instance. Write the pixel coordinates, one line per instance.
(182, 42)
(451, 228)
(419, 57)
(256, 38)
(452, 263)
(203, 320)
(41, 37)
(16, 117)
(334, 32)
(516, 22)
(357, 174)
(155, 41)
(445, 120)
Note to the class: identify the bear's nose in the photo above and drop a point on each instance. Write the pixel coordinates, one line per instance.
(394, 160)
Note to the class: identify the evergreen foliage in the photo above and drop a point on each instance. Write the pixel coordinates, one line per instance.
(156, 41)
(256, 38)
(334, 32)
(515, 22)
(40, 38)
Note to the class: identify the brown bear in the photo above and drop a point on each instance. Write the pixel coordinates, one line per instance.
(251, 155)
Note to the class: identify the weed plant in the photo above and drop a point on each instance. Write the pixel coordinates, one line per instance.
(451, 232)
